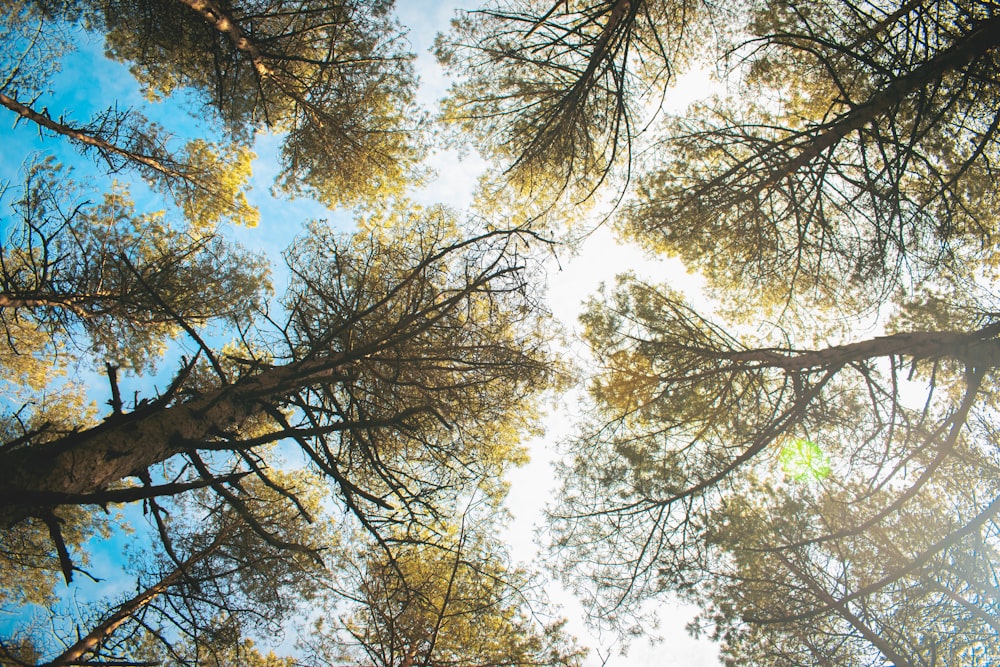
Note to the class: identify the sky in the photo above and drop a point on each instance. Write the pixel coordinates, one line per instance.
(570, 282)
(88, 82)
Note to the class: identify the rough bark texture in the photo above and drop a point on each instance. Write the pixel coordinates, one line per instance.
(219, 19)
(88, 461)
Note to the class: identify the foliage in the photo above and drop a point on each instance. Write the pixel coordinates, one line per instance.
(402, 367)
(813, 464)
(845, 177)
(332, 76)
(206, 181)
(447, 597)
(405, 372)
(211, 581)
(128, 282)
(556, 90)
(857, 154)
(682, 484)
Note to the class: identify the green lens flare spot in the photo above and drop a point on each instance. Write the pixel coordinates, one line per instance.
(803, 460)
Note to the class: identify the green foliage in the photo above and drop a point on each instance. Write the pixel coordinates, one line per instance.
(332, 76)
(443, 597)
(803, 460)
(104, 279)
(33, 56)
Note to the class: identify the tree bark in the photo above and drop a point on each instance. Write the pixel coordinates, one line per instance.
(71, 302)
(87, 139)
(219, 19)
(103, 630)
(89, 461)
(978, 349)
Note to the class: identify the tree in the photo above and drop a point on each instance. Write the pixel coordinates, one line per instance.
(212, 581)
(848, 178)
(205, 180)
(407, 370)
(556, 90)
(859, 147)
(129, 281)
(402, 368)
(825, 496)
(857, 155)
(856, 598)
(447, 597)
(332, 76)
(802, 496)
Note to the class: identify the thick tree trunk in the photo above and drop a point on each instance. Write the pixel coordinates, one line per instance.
(216, 16)
(89, 461)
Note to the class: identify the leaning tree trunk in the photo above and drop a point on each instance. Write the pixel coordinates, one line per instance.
(101, 632)
(89, 461)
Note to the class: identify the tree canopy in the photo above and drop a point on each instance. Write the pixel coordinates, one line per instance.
(400, 370)
(805, 450)
(824, 496)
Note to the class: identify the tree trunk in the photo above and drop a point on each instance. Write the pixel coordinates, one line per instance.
(103, 630)
(979, 41)
(978, 349)
(71, 302)
(89, 461)
(88, 139)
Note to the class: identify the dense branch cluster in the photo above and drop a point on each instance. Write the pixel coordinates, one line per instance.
(808, 455)
(340, 432)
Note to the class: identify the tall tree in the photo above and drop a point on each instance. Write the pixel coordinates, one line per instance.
(408, 365)
(771, 468)
(403, 366)
(909, 591)
(332, 76)
(558, 91)
(802, 495)
(127, 281)
(858, 152)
